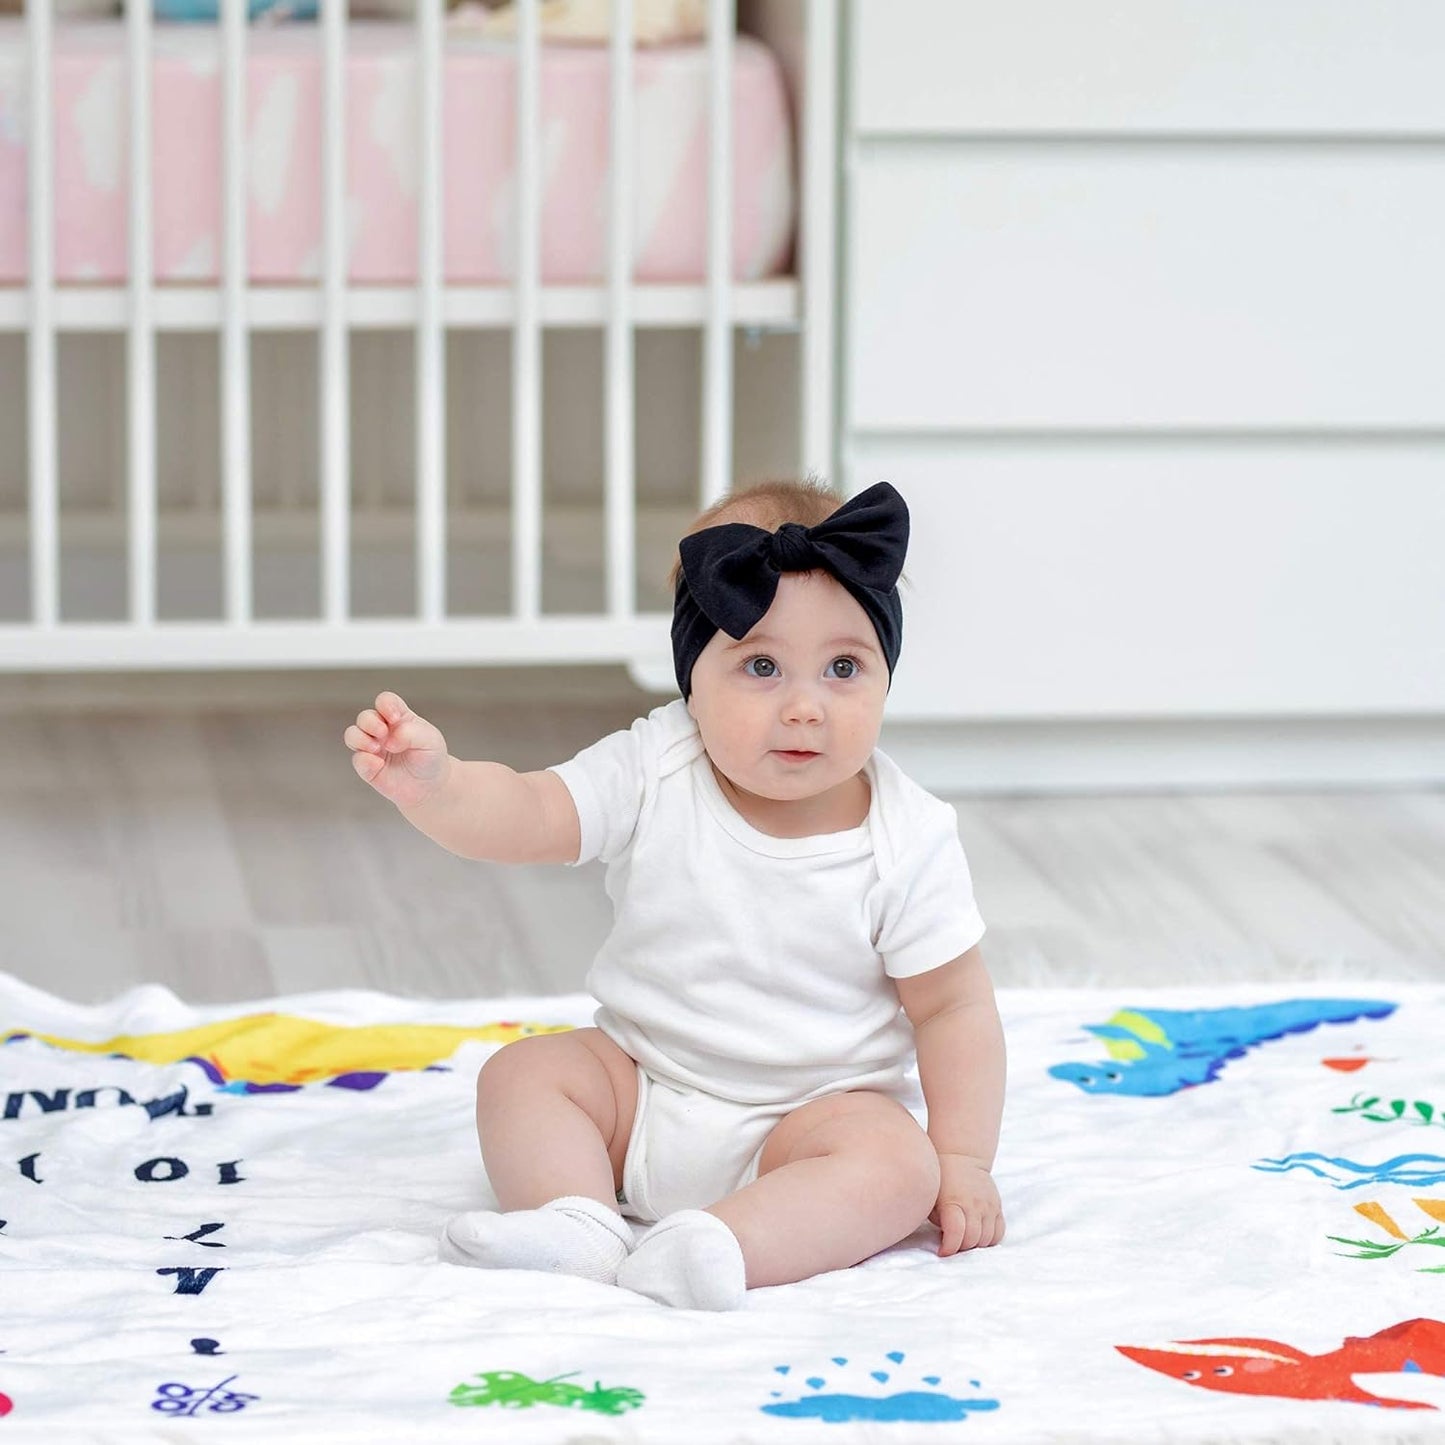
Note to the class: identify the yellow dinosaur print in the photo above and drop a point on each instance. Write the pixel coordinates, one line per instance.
(269, 1052)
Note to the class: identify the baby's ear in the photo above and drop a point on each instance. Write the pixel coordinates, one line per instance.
(690, 712)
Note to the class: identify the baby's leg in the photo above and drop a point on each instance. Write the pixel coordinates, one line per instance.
(839, 1179)
(554, 1114)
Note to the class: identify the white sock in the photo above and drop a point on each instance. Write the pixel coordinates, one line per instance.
(690, 1260)
(572, 1235)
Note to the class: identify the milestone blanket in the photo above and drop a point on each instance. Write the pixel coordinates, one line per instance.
(1226, 1214)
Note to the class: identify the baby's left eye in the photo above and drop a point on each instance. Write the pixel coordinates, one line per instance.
(847, 666)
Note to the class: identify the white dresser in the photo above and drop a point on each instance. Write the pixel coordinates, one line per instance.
(1143, 308)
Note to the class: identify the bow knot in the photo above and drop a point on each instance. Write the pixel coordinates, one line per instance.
(792, 549)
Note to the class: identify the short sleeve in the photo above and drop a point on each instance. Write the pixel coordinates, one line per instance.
(608, 782)
(925, 910)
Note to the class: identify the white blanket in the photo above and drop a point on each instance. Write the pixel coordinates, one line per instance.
(193, 1246)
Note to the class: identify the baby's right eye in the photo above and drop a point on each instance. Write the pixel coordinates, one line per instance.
(765, 666)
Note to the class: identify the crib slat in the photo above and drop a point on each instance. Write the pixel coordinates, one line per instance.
(40, 356)
(717, 332)
(431, 537)
(235, 334)
(527, 331)
(816, 259)
(621, 382)
(335, 349)
(141, 343)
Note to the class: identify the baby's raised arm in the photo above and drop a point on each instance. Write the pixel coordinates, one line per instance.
(477, 810)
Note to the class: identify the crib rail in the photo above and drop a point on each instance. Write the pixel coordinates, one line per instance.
(234, 310)
(44, 491)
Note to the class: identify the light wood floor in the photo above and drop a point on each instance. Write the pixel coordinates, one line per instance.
(208, 833)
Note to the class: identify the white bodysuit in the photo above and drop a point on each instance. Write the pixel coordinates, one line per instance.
(748, 974)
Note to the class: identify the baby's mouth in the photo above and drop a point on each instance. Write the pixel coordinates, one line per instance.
(796, 755)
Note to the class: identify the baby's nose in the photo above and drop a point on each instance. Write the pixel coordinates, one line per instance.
(803, 704)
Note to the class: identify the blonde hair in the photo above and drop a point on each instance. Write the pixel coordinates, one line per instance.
(767, 505)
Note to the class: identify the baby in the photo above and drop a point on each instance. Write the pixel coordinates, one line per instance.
(794, 921)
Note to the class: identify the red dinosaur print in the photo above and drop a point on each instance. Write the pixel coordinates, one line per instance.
(1266, 1367)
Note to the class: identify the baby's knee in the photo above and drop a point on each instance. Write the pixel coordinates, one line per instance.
(567, 1062)
(913, 1163)
(903, 1165)
(524, 1063)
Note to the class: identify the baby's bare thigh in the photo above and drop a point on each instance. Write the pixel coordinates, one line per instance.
(859, 1119)
(582, 1064)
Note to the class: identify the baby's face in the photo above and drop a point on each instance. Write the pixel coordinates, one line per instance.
(794, 709)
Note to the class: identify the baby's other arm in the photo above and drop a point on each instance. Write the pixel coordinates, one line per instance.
(477, 810)
(961, 1065)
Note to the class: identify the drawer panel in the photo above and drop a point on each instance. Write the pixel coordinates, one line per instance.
(1156, 286)
(1222, 67)
(1153, 579)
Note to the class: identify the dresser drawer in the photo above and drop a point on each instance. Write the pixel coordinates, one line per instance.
(1189, 285)
(1137, 579)
(1175, 67)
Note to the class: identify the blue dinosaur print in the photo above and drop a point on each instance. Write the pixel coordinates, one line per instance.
(1160, 1051)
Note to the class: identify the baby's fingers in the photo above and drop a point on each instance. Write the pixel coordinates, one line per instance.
(966, 1229)
(370, 722)
(359, 740)
(368, 766)
(973, 1231)
(415, 732)
(392, 708)
(953, 1223)
(984, 1229)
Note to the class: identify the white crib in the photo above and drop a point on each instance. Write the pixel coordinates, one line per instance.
(242, 475)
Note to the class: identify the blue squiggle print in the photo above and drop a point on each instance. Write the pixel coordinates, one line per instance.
(1415, 1170)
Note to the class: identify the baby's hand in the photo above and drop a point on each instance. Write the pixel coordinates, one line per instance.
(969, 1212)
(402, 756)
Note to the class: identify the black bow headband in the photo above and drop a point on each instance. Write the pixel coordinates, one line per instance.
(730, 573)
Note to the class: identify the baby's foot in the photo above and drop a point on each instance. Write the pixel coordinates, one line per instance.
(690, 1260)
(572, 1235)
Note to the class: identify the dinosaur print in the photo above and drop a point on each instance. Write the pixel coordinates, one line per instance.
(279, 1053)
(1160, 1051)
(1266, 1367)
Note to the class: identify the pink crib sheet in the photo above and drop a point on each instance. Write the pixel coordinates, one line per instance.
(284, 139)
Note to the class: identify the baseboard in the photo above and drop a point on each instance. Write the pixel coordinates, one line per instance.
(240, 689)
(1054, 757)
(947, 758)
